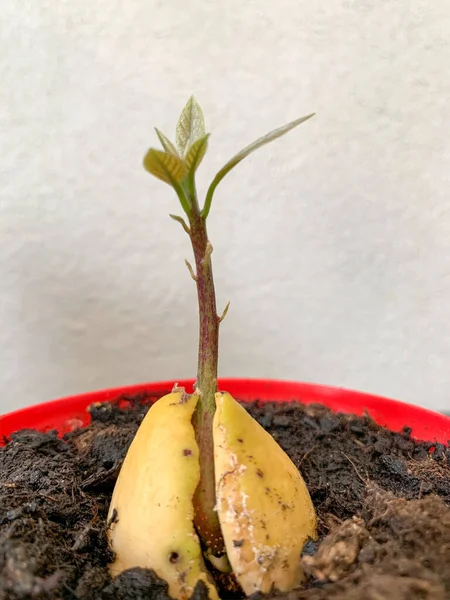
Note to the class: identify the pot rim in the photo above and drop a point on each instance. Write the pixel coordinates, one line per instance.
(68, 413)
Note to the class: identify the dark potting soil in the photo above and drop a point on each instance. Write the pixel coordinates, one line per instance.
(383, 505)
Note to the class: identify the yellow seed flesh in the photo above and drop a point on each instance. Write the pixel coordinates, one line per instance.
(152, 500)
(264, 506)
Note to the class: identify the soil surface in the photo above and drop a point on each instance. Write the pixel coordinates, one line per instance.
(383, 504)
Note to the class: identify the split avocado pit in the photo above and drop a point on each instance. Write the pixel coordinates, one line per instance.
(264, 508)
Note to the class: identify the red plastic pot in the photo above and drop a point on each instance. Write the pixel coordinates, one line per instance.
(69, 413)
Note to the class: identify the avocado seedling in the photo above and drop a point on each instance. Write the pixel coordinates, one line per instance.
(203, 487)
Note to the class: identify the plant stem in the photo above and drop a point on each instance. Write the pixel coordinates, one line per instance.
(205, 519)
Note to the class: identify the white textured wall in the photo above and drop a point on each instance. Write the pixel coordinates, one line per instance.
(333, 245)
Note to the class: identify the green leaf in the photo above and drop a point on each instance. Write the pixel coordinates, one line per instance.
(164, 166)
(196, 153)
(190, 127)
(273, 135)
(171, 170)
(166, 143)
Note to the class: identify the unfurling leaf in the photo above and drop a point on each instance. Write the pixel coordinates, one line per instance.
(165, 166)
(170, 169)
(166, 143)
(190, 127)
(273, 135)
(196, 153)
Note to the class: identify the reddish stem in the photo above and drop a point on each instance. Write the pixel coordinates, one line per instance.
(206, 519)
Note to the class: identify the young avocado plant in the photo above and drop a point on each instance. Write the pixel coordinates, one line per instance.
(203, 484)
